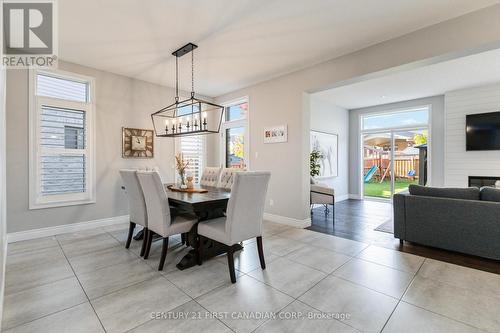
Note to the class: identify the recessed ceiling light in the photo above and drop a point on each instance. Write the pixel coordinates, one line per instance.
(383, 96)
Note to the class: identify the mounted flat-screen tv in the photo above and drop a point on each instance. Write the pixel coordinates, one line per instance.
(483, 131)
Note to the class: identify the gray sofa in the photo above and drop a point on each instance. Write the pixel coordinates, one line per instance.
(463, 220)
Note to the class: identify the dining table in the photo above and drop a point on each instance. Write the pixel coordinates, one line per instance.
(210, 204)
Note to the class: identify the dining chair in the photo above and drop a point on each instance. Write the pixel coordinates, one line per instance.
(243, 219)
(227, 177)
(160, 221)
(137, 205)
(210, 176)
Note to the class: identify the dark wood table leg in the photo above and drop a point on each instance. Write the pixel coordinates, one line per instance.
(140, 235)
(210, 248)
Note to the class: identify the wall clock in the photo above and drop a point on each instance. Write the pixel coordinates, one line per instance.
(137, 143)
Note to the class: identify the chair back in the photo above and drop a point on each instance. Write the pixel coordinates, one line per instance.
(136, 203)
(245, 208)
(210, 176)
(156, 198)
(227, 177)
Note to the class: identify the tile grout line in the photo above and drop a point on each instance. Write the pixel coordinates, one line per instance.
(297, 298)
(66, 278)
(444, 316)
(44, 316)
(223, 323)
(404, 293)
(436, 313)
(81, 286)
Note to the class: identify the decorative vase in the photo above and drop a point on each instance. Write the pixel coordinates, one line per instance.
(183, 179)
(189, 182)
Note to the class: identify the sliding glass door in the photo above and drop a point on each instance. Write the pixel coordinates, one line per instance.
(394, 153)
(409, 147)
(377, 156)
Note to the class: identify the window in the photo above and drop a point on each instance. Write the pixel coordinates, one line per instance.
(61, 139)
(236, 112)
(407, 118)
(193, 149)
(235, 135)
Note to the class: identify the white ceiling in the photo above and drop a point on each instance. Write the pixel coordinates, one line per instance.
(471, 71)
(241, 42)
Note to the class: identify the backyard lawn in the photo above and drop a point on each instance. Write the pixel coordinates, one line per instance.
(383, 190)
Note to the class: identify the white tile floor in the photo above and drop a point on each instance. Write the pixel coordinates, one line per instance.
(88, 282)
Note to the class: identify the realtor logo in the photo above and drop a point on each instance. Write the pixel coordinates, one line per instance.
(28, 34)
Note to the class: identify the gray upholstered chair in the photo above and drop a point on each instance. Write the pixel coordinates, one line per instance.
(321, 194)
(160, 221)
(210, 176)
(243, 218)
(137, 205)
(227, 178)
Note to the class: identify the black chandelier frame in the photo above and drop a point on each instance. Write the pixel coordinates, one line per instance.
(197, 108)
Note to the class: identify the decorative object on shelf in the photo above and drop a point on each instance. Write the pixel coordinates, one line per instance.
(276, 134)
(137, 143)
(314, 159)
(181, 166)
(189, 179)
(327, 146)
(191, 116)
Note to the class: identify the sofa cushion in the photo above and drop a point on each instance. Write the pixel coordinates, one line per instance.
(490, 194)
(471, 193)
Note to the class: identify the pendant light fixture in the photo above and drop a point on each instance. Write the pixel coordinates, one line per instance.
(192, 116)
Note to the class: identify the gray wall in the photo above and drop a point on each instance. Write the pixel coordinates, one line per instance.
(436, 132)
(121, 101)
(330, 118)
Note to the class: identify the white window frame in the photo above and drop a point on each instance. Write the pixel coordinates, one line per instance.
(424, 126)
(234, 124)
(36, 200)
(177, 144)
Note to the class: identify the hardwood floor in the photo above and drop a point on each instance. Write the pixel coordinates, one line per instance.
(357, 219)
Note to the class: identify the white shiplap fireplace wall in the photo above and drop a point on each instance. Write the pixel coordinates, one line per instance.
(460, 164)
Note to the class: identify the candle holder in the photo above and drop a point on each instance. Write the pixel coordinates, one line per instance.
(193, 108)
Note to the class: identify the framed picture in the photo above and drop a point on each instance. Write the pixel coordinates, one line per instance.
(276, 134)
(327, 144)
(137, 143)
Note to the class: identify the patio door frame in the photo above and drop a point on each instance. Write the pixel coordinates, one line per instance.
(392, 131)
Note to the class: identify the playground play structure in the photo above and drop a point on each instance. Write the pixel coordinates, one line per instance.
(378, 164)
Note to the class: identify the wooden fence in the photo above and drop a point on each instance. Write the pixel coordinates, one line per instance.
(402, 166)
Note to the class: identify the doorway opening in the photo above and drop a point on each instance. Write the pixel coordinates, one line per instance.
(394, 148)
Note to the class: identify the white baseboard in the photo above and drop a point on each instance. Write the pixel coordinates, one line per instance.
(288, 220)
(355, 196)
(339, 198)
(65, 228)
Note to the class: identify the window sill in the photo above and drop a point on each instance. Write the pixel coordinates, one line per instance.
(34, 206)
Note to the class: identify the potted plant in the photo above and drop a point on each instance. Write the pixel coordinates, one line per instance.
(314, 159)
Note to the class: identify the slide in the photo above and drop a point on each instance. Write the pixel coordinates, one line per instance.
(370, 173)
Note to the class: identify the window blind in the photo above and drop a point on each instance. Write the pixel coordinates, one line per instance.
(193, 149)
(49, 86)
(62, 170)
